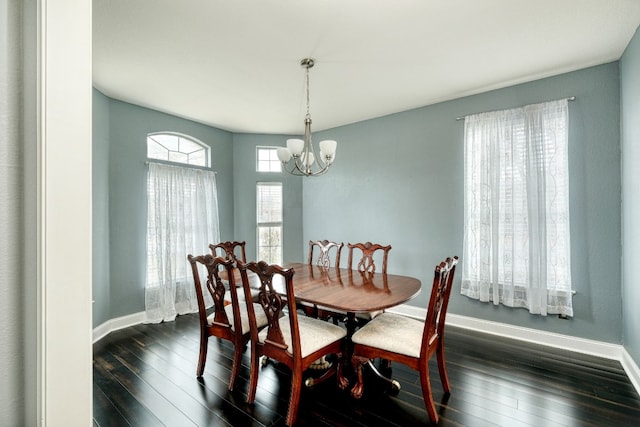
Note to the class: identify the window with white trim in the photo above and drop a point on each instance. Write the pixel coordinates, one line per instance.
(516, 196)
(177, 148)
(182, 216)
(269, 221)
(267, 160)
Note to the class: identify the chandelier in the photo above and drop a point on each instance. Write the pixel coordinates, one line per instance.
(299, 156)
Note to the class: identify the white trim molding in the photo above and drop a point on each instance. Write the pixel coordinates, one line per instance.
(551, 339)
(565, 342)
(122, 322)
(64, 211)
(632, 369)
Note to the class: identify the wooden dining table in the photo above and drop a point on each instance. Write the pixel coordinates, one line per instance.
(346, 290)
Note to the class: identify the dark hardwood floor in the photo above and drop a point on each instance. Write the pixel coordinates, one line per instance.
(145, 376)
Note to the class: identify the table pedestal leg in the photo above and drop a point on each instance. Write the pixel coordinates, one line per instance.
(351, 323)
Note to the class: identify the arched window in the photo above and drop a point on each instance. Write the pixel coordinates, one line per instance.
(173, 147)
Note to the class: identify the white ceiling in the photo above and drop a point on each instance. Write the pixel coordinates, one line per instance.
(234, 64)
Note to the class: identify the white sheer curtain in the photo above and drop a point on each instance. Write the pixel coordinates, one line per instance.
(516, 198)
(182, 219)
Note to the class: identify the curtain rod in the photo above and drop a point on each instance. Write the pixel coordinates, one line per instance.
(200, 168)
(571, 98)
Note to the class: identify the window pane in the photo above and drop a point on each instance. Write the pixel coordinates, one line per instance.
(198, 158)
(269, 219)
(187, 146)
(267, 160)
(177, 157)
(263, 154)
(269, 244)
(269, 203)
(156, 151)
(170, 142)
(178, 149)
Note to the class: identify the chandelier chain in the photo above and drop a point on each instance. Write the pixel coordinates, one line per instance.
(308, 113)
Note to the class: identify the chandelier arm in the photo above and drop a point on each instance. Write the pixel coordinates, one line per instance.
(295, 169)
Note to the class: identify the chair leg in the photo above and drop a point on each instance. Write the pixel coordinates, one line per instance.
(235, 369)
(294, 398)
(253, 375)
(358, 388)
(202, 357)
(442, 369)
(342, 381)
(427, 394)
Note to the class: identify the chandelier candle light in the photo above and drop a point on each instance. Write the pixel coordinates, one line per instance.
(299, 156)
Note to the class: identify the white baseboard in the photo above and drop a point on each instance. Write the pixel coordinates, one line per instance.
(111, 325)
(551, 339)
(632, 369)
(566, 342)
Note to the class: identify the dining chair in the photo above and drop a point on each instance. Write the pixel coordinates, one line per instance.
(295, 341)
(368, 251)
(366, 265)
(323, 260)
(226, 321)
(229, 249)
(324, 253)
(409, 341)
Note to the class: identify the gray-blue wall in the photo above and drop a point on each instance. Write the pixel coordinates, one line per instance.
(128, 129)
(399, 180)
(101, 288)
(630, 106)
(18, 244)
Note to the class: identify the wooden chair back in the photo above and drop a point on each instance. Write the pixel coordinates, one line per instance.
(273, 305)
(324, 261)
(229, 248)
(219, 325)
(366, 263)
(324, 248)
(438, 304)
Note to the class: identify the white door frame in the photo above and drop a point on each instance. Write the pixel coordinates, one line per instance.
(64, 128)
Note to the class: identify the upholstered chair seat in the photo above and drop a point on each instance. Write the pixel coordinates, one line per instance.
(314, 334)
(261, 319)
(392, 332)
(254, 295)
